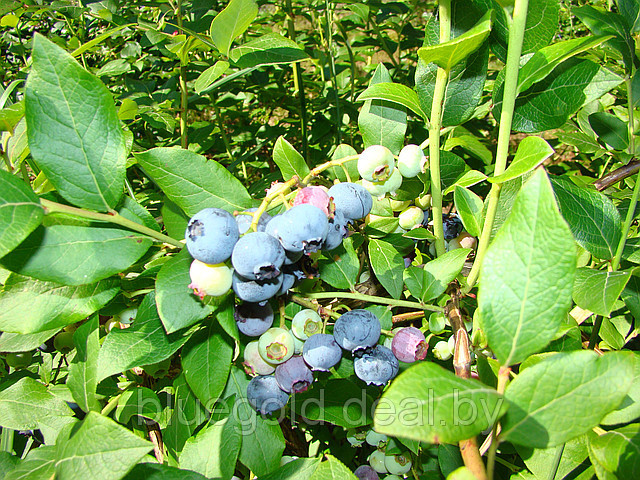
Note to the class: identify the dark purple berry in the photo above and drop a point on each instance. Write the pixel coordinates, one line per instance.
(253, 319)
(294, 376)
(452, 226)
(264, 394)
(365, 472)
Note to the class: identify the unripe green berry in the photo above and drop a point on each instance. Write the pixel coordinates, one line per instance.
(214, 280)
(63, 342)
(376, 163)
(411, 161)
(399, 205)
(305, 323)
(437, 323)
(424, 202)
(398, 464)
(18, 360)
(410, 218)
(276, 345)
(442, 351)
(376, 460)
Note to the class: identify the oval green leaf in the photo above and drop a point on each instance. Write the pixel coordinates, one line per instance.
(610, 129)
(527, 275)
(531, 152)
(393, 92)
(597, 290)
(469, 207)
(388, 266)
(289, 161)
(232, 22)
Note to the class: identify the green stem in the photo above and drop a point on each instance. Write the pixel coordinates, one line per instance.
(594, 333)
(6, 441)
(223, 133)
(113, 402)
(313, 306)
(442, 78)
(184, 94)
(516, 36)
(373, 299)
(556, 462)
(626, 226)
(503, 379)
(113, 217)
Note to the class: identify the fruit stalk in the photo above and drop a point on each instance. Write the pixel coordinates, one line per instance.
(442, 78)
(373, 299)
(516, 36)
(113, 217)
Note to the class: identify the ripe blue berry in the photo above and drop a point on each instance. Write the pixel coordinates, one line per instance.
(338, 230)
(306, 323)
(211, 235)
(253, 319)
(357, 329)
(288, 282)
(302, 228)
(365, 472)
(376, 366)
(452, 226)
(264, 394)
(255, 291)
(253, 362)
(258, 256)
(409, 344)
(294, 376)
(321, 352)
(353, 200)
(244, 221)
(276, 345)
(376, 163)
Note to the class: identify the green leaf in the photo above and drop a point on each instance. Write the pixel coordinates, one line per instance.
(154, 471)
(430, 404)
(629, 409)
(598, 290)
(232, 22)
(16, 342)
(139, 401)
(610, 129)
(593, 218)
(214, 450)
(525, 287)
(75, 255)
(452, 168)
(27, 402)
(466, 79)
(186, 416)
(206, 360)
(540, 461)
(340, 402)
(388, 266)
(8, 462)
(450, 53)
(340, 267)
(332, 469)
(73, 128)
(83, 370)
(98, 448)
(174, 219)
(193, 182)
(393, 92)
(210, 75)
(531, 152)
(29, 306)
(575, 81)
(144, 343)
(38, 465)
(469, 207)
(542, 25)
(630, 11)
(269, 49)
(20, 212)
(602, 22)
(431, 281)
(470, 178)
(617, 451)
(382, 122)
(542, 414)
(419, 234)
(545, 60)
(178, 307)
(289, 161)
(262, 440)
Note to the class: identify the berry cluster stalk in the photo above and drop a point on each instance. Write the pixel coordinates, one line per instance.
(516, 36)
(442, 78)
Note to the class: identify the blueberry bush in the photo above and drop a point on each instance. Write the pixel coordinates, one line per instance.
(319, 240)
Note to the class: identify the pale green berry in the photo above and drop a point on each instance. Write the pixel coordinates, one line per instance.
(376, 439)
(442, 351)
(127, 316)
(213, 280)
(399, 205)
(411, 161)
(376, 189)
(376, 163)
(305, 323)
(376, 460)
(253, 362)
(410, 218)
(398, 464)
(437, 323)
(276, 345)
(424, 202)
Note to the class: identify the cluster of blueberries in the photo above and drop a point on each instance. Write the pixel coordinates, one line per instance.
(283, 361)
(380, 460)
(269, 261)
